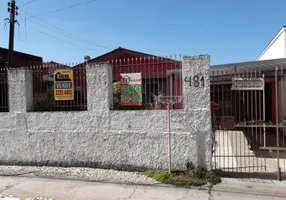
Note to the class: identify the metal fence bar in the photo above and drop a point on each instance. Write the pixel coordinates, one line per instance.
(234, 103)
(277, 125)
(260, 129)
(257, 121)
(247, 119)
(238, 142)
(4, 104)
(219, 118)
(252, 120)
(231, 112)
(239, 119)
(180, 81)
(159, 77)
(224, 134)
(283, 117)
(43, 88)
(153, 77)
(219, 93)
(264, 119)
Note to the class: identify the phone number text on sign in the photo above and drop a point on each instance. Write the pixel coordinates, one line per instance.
(64, 92)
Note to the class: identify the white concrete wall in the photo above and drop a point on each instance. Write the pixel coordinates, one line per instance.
(100, 137)
(276, 49)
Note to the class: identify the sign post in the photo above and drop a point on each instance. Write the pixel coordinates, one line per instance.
(130, 89)
(63, 85)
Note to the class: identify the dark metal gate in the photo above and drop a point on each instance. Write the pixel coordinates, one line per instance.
(246, 139)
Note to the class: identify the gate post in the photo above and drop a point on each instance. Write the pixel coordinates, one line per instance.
(196, 97)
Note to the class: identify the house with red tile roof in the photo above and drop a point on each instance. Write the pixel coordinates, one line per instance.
(160, 75)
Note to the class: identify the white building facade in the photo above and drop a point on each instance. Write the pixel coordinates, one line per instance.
(276, 48)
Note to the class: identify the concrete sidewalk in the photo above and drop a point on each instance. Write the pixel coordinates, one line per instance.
(252, 186)
(28, 187)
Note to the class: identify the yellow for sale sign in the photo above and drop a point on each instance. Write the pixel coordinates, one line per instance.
(63, 85)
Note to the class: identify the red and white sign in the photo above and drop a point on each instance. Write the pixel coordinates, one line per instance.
(131, 89)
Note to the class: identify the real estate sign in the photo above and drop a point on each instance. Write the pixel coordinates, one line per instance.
(130, 89)
(63, 85)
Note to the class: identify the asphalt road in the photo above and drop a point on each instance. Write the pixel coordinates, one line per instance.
(28, 187)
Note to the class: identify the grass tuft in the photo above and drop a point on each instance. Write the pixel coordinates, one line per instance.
(193, 176)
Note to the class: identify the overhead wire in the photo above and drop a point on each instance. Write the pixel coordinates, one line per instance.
(52, 36)
(61, 9)
(64, 32)
(57, 38)
(48, 28)
(19, 31)
(27, 3)
(5, 24)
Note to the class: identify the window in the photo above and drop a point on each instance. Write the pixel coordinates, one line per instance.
(154, 86)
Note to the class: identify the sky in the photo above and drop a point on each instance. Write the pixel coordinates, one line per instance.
(228, 30)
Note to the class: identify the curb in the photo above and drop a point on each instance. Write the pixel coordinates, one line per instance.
(251, 191)
(235, 188)
(245, 190)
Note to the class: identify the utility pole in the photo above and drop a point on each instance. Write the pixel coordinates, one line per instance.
(12, 10)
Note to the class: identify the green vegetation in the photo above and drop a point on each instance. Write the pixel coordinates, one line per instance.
(192, 176)
(116, 95)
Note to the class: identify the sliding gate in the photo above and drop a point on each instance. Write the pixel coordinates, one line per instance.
(245, 138)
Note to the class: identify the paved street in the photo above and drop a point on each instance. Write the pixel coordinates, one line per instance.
(31, 187)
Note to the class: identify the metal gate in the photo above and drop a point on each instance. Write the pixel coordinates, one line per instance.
(248, 130)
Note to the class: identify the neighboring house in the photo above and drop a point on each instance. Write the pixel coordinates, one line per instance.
(43, 75)
(266, 67)
(49, 76)
(20, 59)
(276, 48)
(159, 75)
(274, 55)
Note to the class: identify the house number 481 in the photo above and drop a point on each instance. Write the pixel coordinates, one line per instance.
(195, 80)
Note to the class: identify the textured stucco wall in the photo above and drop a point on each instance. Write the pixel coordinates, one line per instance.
(104, 138)
(197, 102)
(20, 90)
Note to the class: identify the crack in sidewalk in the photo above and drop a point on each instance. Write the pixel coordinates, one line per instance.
(129, 197)
(14, 182)
(185, 194)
